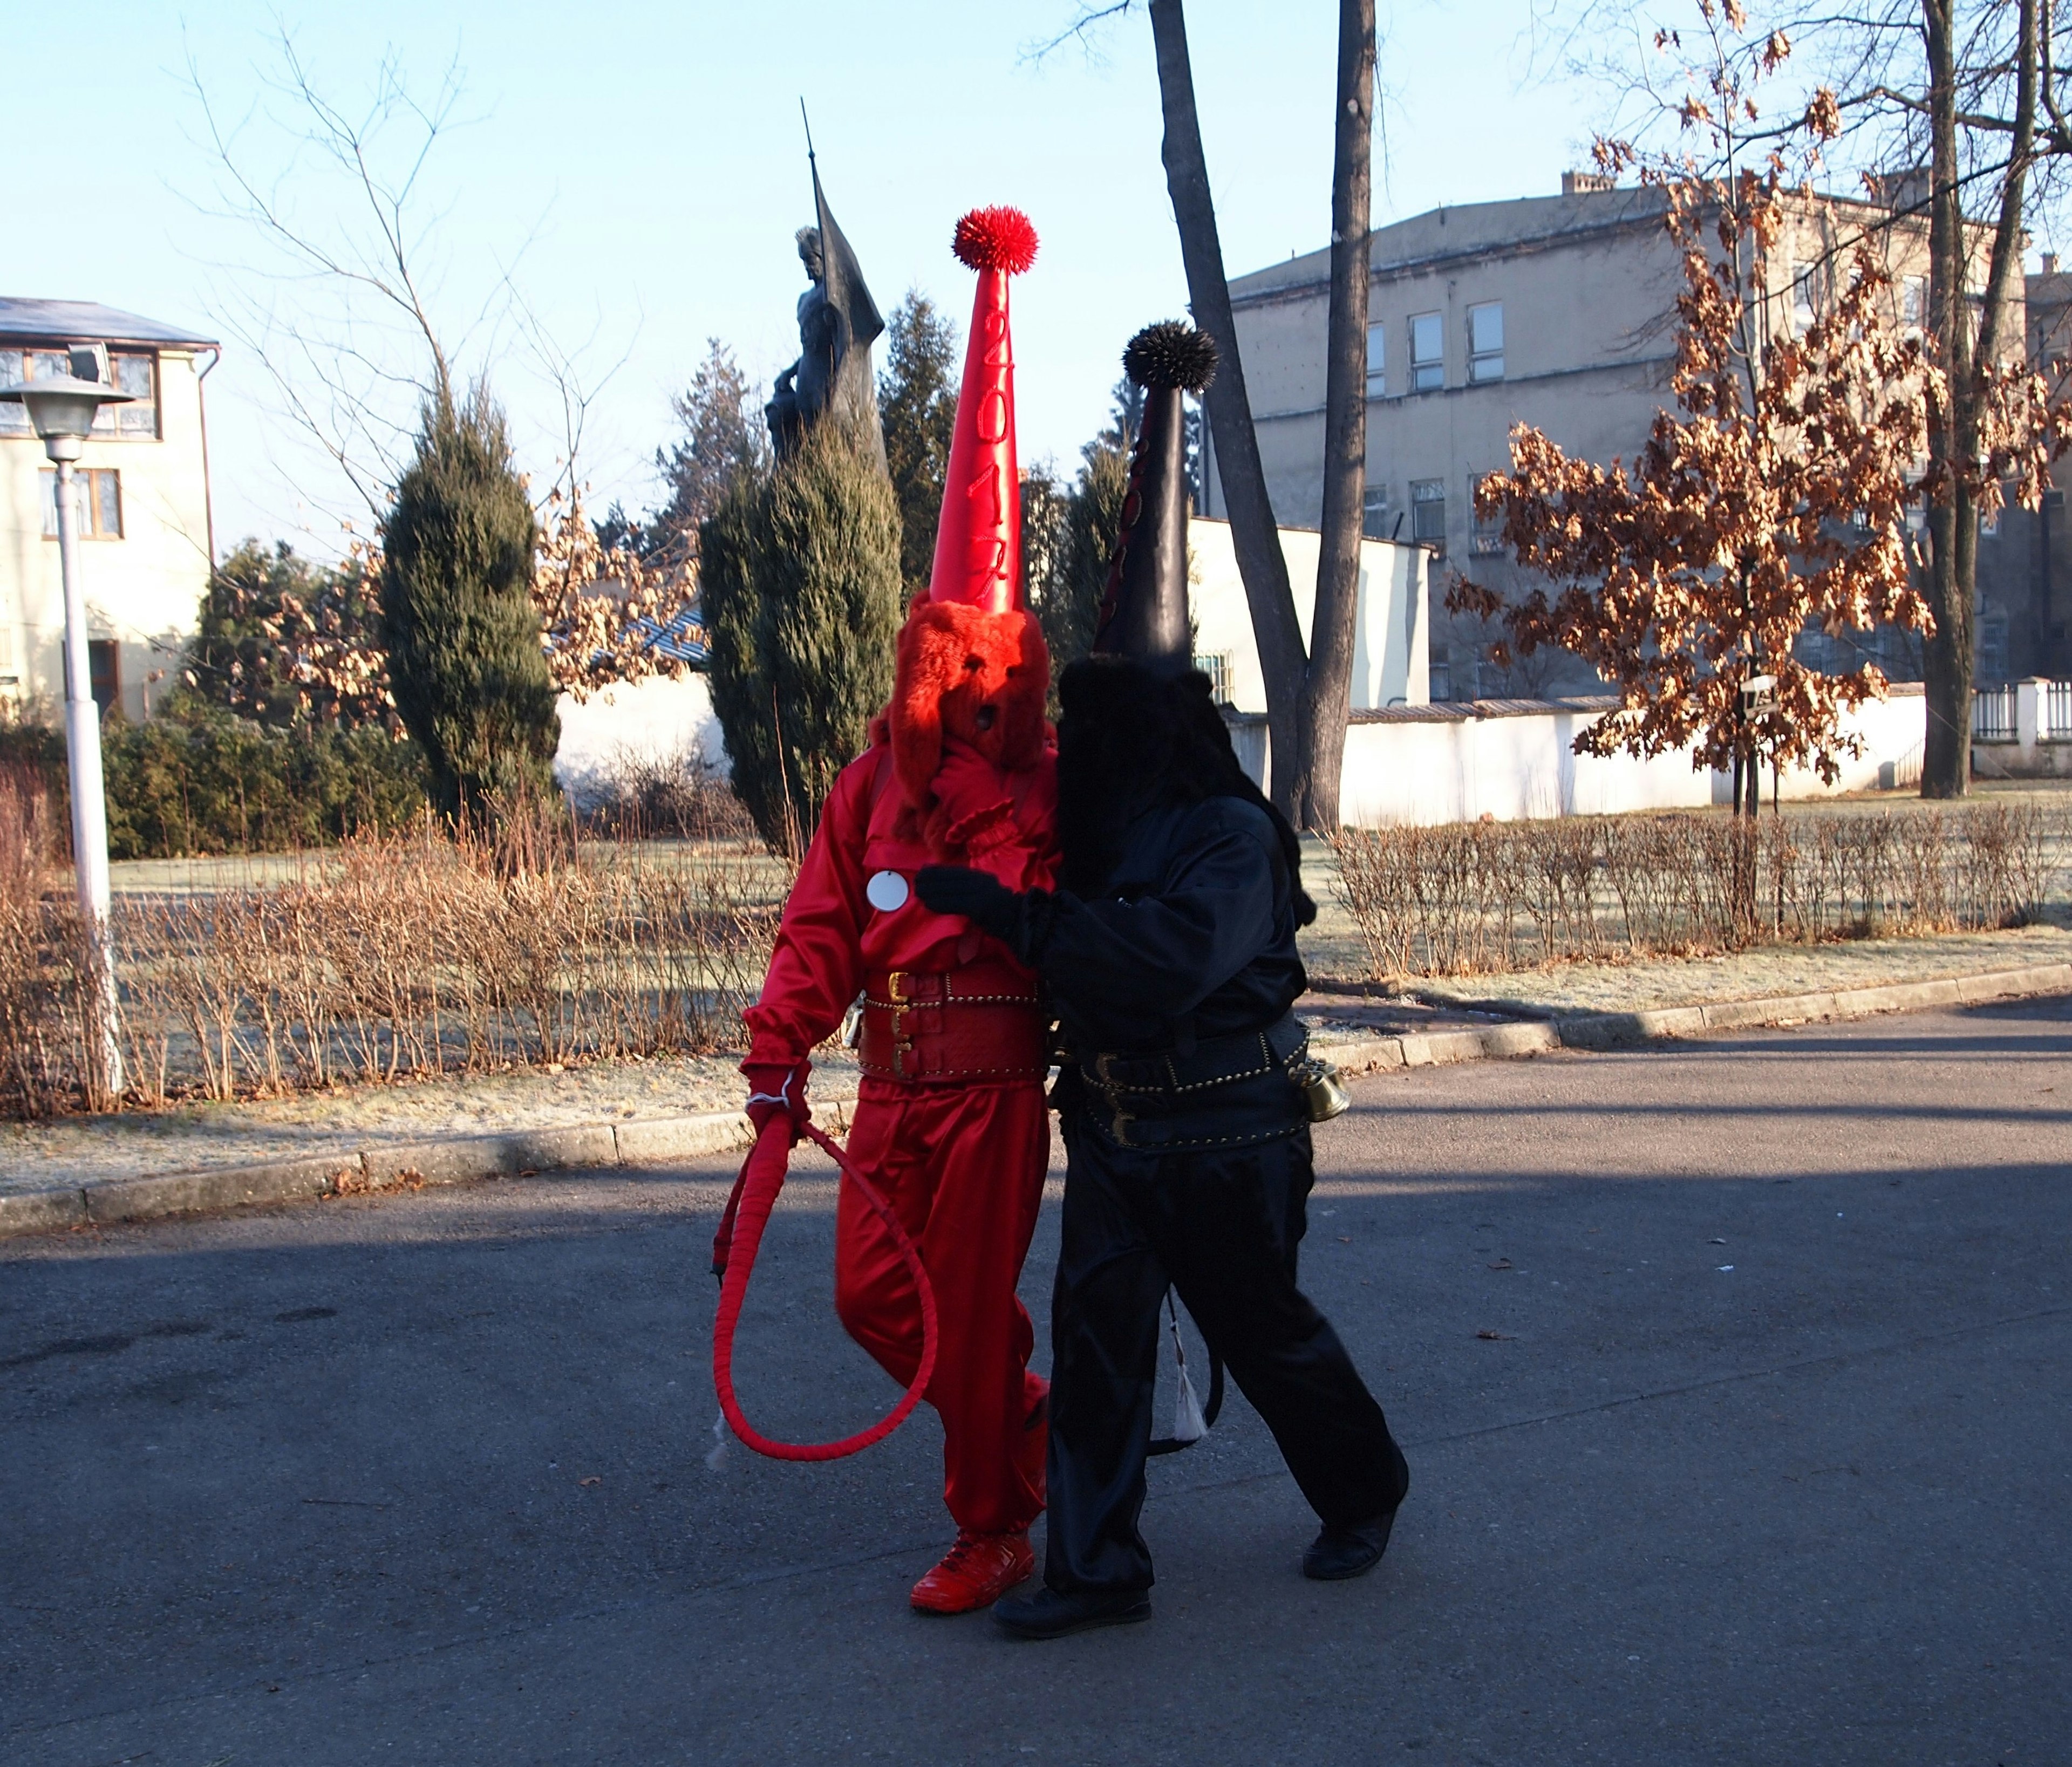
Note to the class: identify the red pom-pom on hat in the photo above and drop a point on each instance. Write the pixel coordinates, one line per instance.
(995, 238)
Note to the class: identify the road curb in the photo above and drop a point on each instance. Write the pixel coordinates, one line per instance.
(1622, 1030)
(397, 1166)
(463, 1159)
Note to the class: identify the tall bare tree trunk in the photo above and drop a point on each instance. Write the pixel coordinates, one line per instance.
(1945, 761)
(1254, 534)
(1327, 684)
(1951, 652)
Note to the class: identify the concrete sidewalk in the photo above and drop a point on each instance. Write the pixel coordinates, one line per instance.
(1734, 1381)
(1361, 1035)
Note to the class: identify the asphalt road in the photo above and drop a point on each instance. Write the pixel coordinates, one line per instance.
(1733, 1377)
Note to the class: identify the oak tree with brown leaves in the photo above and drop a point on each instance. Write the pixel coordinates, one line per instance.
(1774, 497)
(601, 607)
(314, 651)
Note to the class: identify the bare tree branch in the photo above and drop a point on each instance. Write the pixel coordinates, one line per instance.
(339, 305)
(1083, 29)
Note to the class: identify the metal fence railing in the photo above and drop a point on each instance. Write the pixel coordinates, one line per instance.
(2057, 711)
(1992, 714)
(1904, 774)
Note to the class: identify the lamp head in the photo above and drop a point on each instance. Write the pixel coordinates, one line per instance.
(61, 408)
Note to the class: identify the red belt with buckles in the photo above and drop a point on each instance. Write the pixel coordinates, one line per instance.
(982, 1022)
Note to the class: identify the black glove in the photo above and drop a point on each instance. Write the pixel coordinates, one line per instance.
(979, 896)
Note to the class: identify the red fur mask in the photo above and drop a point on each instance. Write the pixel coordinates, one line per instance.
(965, 673)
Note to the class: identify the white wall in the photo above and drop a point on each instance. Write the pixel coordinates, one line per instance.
(655, 720)
(1893, 730)
(1392, 655)
(1457, 768)
(1446, 765)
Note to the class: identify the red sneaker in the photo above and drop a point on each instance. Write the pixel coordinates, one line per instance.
(975, 1573)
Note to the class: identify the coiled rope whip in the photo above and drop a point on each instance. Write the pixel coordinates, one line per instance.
(734, 1247)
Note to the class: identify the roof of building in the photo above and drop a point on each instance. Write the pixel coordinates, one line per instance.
(1463, 711)
(88, 321)
(681, 639)
(1468, 228)
(1519, 224)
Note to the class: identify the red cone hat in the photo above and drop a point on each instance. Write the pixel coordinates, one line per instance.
(978, 545)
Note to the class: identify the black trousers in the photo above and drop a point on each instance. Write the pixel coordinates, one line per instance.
(1223, 1226)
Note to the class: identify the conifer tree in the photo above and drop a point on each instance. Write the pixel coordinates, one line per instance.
(722, 439)
(465, 660)
(1067, 536)
(917, 404)
(801, 594)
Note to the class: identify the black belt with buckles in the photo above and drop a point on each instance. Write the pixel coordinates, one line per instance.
(1224, 1091)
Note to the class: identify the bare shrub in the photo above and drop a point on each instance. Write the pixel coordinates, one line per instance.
(2004, 851)
(1459, 899)
(53, 1012)
(29, 1016)
(1373, 870)
(389, 956)
(678, 795)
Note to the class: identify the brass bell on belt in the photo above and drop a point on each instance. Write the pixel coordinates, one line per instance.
(1322, 1089)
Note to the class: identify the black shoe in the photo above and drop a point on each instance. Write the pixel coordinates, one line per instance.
(1337, 1553)
(1050, 1614)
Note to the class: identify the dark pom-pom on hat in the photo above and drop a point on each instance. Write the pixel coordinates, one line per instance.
(995, 238)
(1171, 353)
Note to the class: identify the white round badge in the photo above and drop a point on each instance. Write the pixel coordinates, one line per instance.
(885, 891)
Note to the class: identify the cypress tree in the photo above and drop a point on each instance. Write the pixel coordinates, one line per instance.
(1068, 568)
(737, 673)
(799, 583)
(917, 404)
(466, 659)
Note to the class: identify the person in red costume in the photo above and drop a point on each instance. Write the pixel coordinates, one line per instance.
(952, 1122)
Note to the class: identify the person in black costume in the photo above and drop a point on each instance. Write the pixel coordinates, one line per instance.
(1168, 950)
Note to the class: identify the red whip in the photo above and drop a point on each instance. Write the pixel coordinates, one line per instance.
(747, 1212)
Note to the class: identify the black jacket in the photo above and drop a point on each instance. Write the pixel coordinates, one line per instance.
(1192, 937)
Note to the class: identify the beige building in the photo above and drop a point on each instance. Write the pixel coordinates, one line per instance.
(1554, 311)
(147, 545)
(2045, 647)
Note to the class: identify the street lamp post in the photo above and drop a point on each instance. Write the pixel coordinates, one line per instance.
(61, 410)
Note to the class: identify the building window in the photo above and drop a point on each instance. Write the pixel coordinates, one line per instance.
(1216, 665)
(1487, 539)
(133, 371)
(98, 491)
(1485, 342)
(1374, 512)
(104, 671)
(137, 375)
(1377, 363)
(1428, 347)
(27, 365)
(1428, 513)
(1802, 291)
(1913, 300)
(1993, 645)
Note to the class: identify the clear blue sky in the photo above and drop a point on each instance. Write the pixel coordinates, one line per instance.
(642, 163)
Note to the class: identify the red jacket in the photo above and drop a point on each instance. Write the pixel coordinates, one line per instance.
(832, 939)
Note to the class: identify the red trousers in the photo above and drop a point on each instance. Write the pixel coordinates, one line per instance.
(963, 1167)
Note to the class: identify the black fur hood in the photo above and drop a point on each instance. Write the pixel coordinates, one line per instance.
(1131, 741)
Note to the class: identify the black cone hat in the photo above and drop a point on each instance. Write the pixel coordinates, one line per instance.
(1144, 608)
